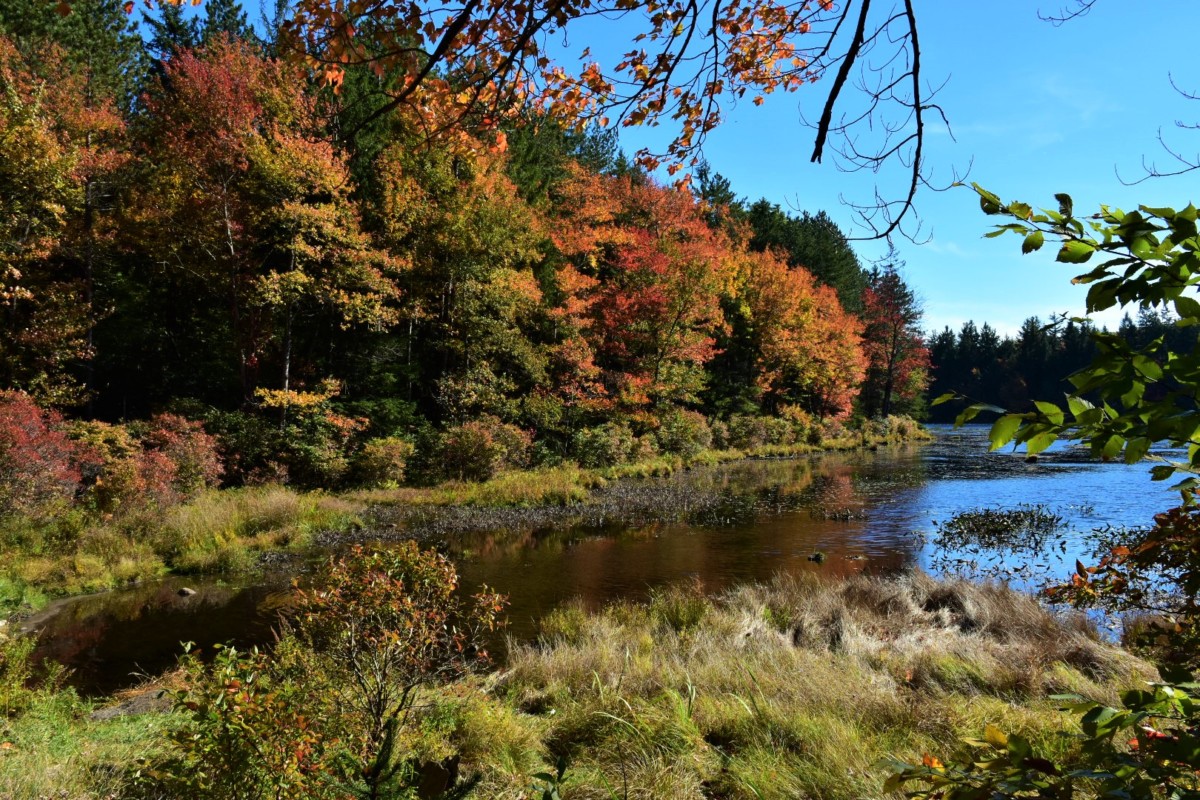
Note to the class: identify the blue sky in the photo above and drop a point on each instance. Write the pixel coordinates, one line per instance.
(1035, 109)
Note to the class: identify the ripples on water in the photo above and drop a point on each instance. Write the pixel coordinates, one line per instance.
(874, 511)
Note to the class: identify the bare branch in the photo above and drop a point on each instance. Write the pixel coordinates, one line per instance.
(1080, 8)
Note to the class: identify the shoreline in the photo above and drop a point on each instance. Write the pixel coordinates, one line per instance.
(236, 531)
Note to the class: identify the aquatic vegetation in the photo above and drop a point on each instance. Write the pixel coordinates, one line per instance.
(980, 543)
(1024, 527)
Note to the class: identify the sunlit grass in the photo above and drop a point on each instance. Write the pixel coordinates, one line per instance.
(797, 688)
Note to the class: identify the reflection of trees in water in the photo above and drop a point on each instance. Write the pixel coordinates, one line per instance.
(105, 640)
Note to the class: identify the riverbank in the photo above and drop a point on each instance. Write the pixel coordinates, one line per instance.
(794, 688)
(234, 530)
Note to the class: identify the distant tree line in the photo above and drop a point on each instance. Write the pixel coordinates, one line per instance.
(1013, 371)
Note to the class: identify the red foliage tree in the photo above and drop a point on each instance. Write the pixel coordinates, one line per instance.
(898, 370)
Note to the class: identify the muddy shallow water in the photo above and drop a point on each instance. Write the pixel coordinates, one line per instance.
(873, 510)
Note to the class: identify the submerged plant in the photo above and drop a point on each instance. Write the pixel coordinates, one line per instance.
(1024, 527)
(978, 543)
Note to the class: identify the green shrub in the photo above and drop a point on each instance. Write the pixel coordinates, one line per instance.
(603, 446)
(720, 434)
(468, 452)
(803, 425)
(247, 734)
(779, 431)
(312, 446)
(477, 450)
(381, 462)
(250, 447)
(683, 433)
(515, 443)
(340, 709)
(746, 432)
(1145, 750)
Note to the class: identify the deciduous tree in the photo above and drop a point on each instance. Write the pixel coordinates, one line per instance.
(247, 206)
(808, 351)
(898, 360)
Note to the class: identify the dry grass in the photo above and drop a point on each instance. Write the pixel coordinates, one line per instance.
(217, 531)
(220, 531)
(793, 689)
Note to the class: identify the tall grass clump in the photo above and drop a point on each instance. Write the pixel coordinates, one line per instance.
(219, 531)
(795, 688)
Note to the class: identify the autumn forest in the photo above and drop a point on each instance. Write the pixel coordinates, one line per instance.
(195, 228)
(374, 426)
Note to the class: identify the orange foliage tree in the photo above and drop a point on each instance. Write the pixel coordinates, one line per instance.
(809, 351)
(657, 272)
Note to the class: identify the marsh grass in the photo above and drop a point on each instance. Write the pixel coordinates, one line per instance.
(217, 531)
(795, 688)
(553, 486)
(220, 531)
(52, 750)
(48, 746)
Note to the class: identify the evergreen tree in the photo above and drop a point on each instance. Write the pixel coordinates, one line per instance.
(97, 38)
(272, 26)
(225, 18)
(539, 150)
(170, 32)
(715, 190)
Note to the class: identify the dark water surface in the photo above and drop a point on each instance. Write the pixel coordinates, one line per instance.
(870, 511)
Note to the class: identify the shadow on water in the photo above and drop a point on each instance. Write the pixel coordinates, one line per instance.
(721, 526)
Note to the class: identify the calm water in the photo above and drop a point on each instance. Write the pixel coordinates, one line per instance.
(870, 511)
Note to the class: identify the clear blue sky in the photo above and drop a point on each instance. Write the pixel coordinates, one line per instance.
(1035, 109)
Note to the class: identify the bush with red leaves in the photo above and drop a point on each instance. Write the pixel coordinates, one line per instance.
(189, 448)
(38, 463)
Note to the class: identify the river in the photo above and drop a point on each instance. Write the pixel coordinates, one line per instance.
(838, 514)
